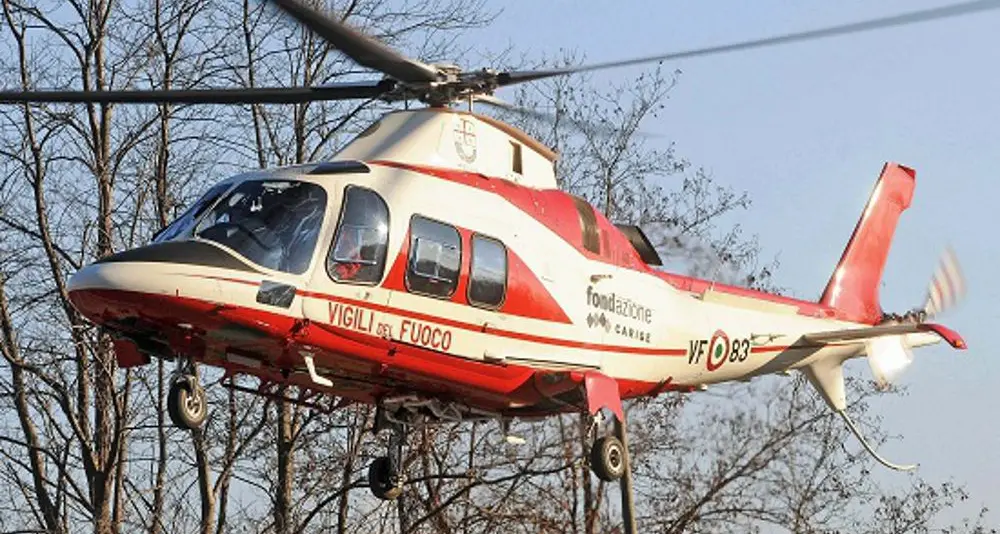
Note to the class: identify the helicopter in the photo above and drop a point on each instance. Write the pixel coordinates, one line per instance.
(434, 269)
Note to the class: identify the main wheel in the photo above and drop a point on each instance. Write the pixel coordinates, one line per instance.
(380, 480)
(187, 405)
(607, 458)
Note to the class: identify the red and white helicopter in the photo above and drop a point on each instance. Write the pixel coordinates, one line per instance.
(435, 270)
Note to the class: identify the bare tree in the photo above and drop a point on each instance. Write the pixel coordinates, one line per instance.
(88, 427)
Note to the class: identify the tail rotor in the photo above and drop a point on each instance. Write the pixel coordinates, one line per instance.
(889, 356)
(947, 287)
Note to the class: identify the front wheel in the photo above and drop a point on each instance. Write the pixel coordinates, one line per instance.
(187, 405)
(607, 458)
(381, 480)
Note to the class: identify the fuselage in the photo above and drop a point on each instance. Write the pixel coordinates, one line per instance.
(400, 274)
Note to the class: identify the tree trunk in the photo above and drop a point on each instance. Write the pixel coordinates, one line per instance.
(204, 481)
(283, 521)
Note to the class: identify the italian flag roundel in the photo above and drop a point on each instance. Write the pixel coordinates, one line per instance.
(718, 350)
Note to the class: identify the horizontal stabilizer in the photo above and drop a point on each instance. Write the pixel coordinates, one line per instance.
(862, 334)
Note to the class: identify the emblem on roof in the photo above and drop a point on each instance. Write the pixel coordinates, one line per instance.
(465, 139)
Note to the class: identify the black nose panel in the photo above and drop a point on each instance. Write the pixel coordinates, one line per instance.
(188, 252)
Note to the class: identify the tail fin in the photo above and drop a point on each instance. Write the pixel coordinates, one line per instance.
(853, 288)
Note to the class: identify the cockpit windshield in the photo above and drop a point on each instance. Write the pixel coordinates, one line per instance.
(181, 227)
(273, 223)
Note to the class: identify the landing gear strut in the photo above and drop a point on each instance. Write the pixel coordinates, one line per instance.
(609, 460)
(609, 457)
(385, 478)
(186, 400)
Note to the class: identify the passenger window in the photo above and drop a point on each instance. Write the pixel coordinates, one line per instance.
(359, 246)
(488, 274)
(435, 257)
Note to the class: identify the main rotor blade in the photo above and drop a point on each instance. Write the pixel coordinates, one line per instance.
(365, 50)
(260, 95)
(856, 27)
(507, 106)
(550, 118)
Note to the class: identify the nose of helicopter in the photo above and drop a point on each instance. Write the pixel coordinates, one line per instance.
(103, 291)
(140, 282)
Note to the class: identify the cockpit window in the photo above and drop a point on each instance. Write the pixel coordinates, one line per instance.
(359, 248)
(181, 227)
(273, 223)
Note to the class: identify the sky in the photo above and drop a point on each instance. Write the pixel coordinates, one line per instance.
(805, 129)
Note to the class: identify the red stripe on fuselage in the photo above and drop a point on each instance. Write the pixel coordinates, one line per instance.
(472, 327)
(556, 211)
(374, 366)
(552, 208)
(496, 331)
(370, 364)
(527, 296)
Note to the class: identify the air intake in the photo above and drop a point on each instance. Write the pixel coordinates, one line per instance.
(341, 167)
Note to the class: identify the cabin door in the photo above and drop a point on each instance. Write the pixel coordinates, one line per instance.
(344, 293)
